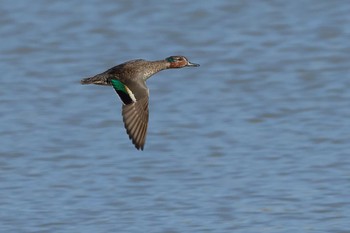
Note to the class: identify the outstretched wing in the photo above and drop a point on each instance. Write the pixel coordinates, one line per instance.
(134, 96)
(135, 117)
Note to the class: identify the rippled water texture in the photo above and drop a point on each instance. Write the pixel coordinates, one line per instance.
(256, 139)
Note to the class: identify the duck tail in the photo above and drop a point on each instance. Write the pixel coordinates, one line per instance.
(98, 79)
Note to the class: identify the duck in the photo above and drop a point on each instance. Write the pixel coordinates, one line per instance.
(129, 82)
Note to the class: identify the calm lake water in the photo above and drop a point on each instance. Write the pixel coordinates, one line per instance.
(256, 139)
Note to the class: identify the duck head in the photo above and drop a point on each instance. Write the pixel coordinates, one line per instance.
(179, 62)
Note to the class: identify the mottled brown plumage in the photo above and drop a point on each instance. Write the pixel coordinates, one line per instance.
(129, 81)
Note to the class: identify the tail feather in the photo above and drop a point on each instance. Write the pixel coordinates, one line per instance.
(98, 79)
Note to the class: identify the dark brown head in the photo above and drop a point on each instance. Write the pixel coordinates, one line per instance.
(179, 62)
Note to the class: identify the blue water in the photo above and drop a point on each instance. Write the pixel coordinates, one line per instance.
(256, 139)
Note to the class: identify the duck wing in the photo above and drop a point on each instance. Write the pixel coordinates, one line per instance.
(134, 96)
(135, 117)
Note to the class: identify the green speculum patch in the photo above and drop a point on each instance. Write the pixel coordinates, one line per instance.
(119, 87)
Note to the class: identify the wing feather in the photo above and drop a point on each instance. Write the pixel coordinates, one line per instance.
(135, 117)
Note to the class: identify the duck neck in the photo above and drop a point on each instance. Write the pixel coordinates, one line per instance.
(154, 67)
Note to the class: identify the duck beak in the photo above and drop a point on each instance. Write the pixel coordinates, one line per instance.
(192, 64)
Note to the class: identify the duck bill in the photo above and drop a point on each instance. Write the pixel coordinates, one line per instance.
(190, 64)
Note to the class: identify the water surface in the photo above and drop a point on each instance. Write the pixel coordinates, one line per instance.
(254, 140)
